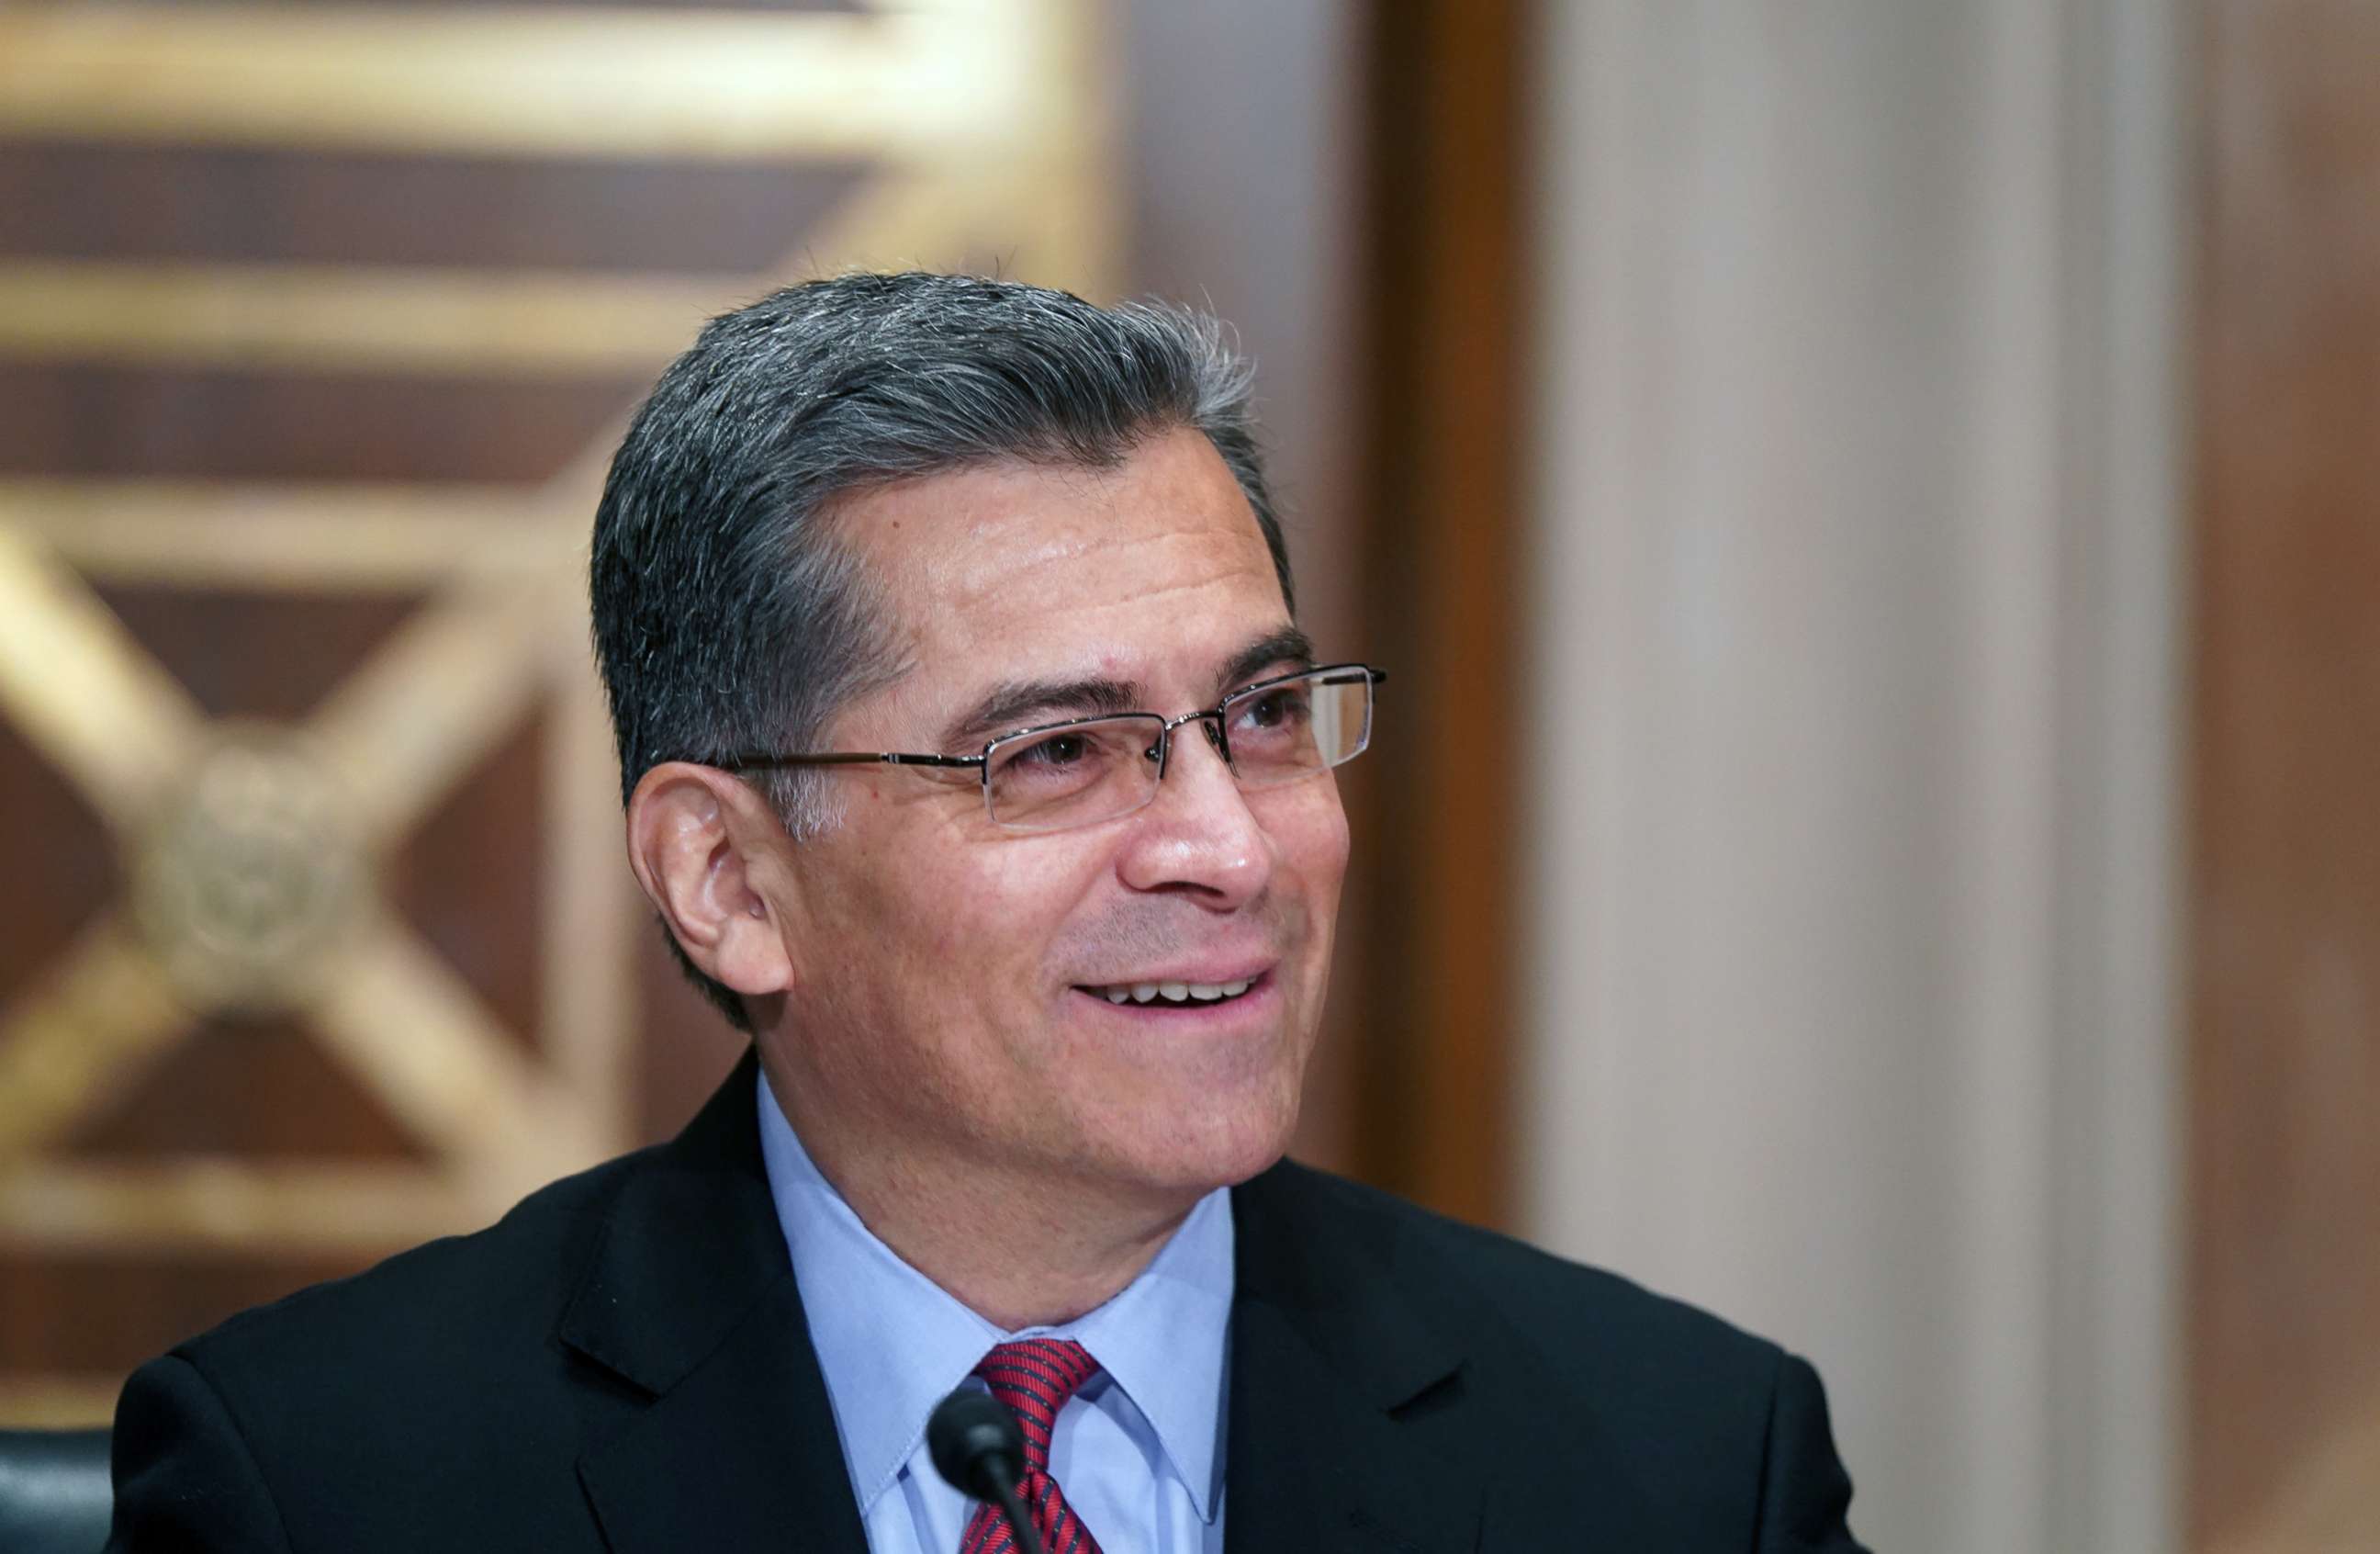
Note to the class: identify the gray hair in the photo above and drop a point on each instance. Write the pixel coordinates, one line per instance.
(727, 618)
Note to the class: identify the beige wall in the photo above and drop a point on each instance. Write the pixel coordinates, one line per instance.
(1851, 1009)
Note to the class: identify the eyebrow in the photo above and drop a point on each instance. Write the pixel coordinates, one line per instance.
(1013, 704)
(1288, 646)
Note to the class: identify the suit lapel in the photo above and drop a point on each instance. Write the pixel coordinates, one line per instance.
(1344, 1432)
(1373, 1410)
(740, 1455)
(689, 1299)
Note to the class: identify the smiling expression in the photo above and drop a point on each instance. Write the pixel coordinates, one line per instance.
(953, 991)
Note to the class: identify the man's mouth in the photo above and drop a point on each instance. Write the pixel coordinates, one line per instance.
(1189, 994)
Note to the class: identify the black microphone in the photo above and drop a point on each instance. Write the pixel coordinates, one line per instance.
(979, 1448)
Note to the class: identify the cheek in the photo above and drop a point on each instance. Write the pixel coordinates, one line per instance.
(1334, 844)
(966, 919)
(1309, 828)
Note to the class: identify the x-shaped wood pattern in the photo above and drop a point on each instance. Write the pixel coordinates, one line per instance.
(982, 119)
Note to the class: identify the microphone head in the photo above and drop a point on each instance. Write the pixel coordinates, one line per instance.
(975, 1443)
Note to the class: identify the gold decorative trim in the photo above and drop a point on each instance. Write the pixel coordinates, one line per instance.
(222, 1204)
(302, 539)
(251, 870)
(586, 951)
(406, 1026)
(58, 1403)
(914, 83)
(2328, 1501)
(84, 1034)
(91, 699)
(352, 318)
(433, 699)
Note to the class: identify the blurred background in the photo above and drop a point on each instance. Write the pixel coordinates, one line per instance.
(1873, 509)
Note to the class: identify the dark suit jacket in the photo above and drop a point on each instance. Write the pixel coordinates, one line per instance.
(622, 1364)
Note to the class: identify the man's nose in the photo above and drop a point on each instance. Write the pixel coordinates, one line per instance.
(1198, 834)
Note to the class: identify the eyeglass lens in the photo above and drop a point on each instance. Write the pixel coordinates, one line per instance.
(1081, 773)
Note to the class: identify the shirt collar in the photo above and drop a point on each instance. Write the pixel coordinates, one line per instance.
(891, 1343)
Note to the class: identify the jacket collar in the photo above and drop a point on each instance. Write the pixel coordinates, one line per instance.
(1380, 1402)
(689, 1299)
(1333, 1443)
(1347, 1430)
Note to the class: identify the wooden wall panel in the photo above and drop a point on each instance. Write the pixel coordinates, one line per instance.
(2284, 1125)
(318, 940)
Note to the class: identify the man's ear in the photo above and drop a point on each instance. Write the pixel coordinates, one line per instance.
(711, 855)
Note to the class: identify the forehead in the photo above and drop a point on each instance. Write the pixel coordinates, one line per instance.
(991, 570)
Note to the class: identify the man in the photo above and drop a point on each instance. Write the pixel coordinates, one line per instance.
(977, 769)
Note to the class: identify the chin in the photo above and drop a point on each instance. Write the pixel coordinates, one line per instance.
(1194, 1156)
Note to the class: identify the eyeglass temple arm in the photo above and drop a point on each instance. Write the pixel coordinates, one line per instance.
(1344, 675)
(851, 757)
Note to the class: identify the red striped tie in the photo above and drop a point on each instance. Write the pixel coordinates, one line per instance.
(1034, 1377)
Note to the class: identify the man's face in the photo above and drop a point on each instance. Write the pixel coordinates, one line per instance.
(949, 976)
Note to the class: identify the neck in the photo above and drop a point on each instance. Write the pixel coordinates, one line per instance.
(1019, 1251)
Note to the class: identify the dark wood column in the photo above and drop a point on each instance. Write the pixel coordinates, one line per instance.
(2284, 1120)
(1444, 256)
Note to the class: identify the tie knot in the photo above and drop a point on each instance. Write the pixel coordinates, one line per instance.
(1034, 1377)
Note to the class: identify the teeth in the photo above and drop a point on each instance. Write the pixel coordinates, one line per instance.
(1172, 992)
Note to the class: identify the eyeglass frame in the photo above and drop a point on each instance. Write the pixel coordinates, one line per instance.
(1210, 721)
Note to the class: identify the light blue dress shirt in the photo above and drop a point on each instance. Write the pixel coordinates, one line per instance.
(1139, 1450)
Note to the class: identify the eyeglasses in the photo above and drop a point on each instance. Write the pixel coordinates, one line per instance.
(1088, 770)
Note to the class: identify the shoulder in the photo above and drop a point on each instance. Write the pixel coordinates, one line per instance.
(406, 1356)
(1534, 1289)
(1564, 1328)
(427, 1393)
(1571, 1386)
(441, 1298)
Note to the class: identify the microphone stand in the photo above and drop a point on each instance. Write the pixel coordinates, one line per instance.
(980, 1451)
